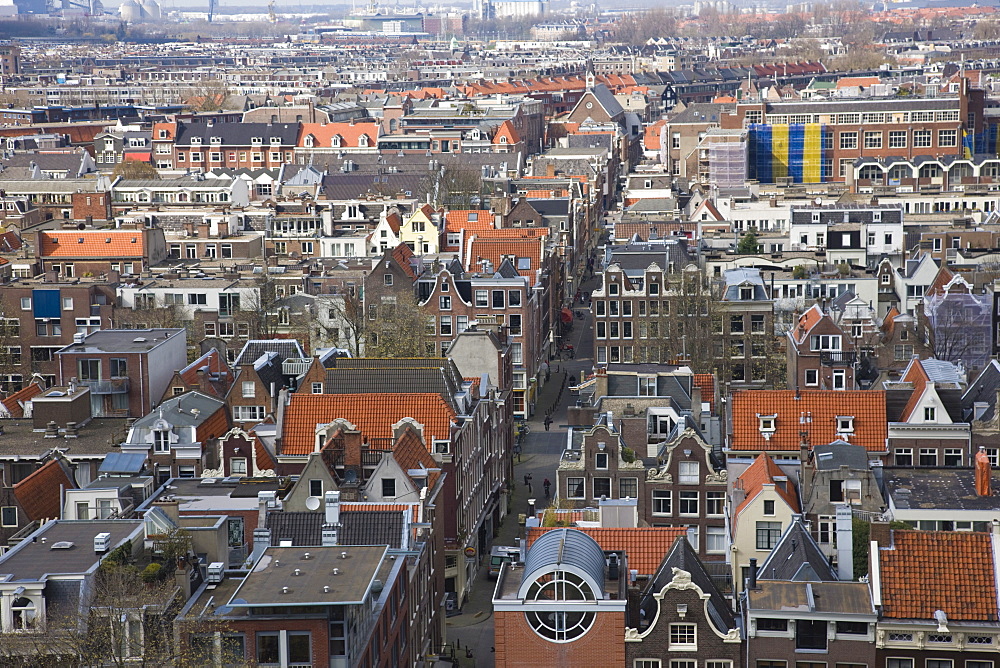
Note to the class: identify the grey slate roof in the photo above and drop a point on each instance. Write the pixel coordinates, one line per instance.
(237, 134)
(367, 375)
(304, 529)
(983, 390)
(797, 557)
(682, 556)
(253, 349)
(372, 527)
(840, 453)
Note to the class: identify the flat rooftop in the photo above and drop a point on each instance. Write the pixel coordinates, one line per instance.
(32, 560)
(96, 438)
(219, 495)
(122, 341)
(337, 575)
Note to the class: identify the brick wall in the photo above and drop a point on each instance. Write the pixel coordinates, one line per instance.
(517, 644)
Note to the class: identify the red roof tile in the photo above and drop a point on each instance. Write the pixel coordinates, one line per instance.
(644, 547)
(40, 495)
(494, 249)
(372, 414)
(866, 407)
(14, 402)
(925, 571)
(115, 244)
(762, 472)
(706, 383)
(349, 133)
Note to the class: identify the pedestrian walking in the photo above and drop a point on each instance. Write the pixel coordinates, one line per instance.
(527, 481)
(548, 421)
(548, 486)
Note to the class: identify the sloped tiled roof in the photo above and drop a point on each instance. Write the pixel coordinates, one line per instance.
(925, 571)
(706, 383)
(866, 407)
(806, 322)
(762, 472)
(645, 547)
(349, 133)
(14, 402)
(372, 414)
(40, 493)
(494, 250)
(411, 453)
(115, 244)
(367, 526)
(286, 348)
(303, 528)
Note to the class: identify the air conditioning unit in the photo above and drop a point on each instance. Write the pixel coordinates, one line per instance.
(102, 542)
(215, 572)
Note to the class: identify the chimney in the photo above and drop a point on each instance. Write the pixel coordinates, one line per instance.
(696, 405)
(752, 580)
(880, 534)
(845, 543)
(261, 541)
(333, 508)
(983, 473)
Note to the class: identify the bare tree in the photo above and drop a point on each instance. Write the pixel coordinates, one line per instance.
(209, 95)
(394, 326)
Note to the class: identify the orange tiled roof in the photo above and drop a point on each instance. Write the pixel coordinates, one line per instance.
(887, 323)
(846, 82)
(362, 505)
(264, 459)
(211, 359)
(215, 425)
(507, 130)
(644, 547)
(706, 383)
(411, 453)
(459, 220)
(39, 494)
(114, 244)
(13, 402)
(806, 322)
(762, 472)
(916, 374)
(372, 414)
(350, 133)
(941, 279)
(866, 407)
(925, 571)
(495, 249)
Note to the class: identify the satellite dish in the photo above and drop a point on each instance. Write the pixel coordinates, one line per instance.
(312, 503)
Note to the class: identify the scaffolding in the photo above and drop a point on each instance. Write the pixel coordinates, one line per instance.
(725, 162)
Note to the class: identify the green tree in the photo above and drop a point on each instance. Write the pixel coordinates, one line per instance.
(748, 244)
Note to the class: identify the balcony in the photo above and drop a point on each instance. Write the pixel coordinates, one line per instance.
(112, 386)
(838, 357)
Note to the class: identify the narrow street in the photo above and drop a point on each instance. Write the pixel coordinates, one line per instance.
(473, 629)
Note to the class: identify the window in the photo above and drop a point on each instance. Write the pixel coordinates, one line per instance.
(387, 279)
(574, 488)
(845, 424)
(873, 139)
(161, 440)
(767, 663)
(119, 367)
(197, 299)
(769, 507)
(445, 325)
(897, 139)
(853, 628)
(898, 663)
(248, 413)
(688, 503)
(688, 473)
(388, 488)
(768, 534)
(315, 487)
(267, 648)
(824, 342)
(683, 637)
(771, 624)
(482, 298)
(628, 488)
(661, 502)
(444, 302)
(736, 324)
(317, 388)
(513, 298)
(810, 634)
(940, 663)
(601, 460)
(8, 516)
(953, 457)
(929, 414)
(602, 488)
(715, 540)
(238, 466)
(848, 140)
(646, 663)
(921, 139)
(947, 138)
(715, 503)
(928, 456)
(903, 457)
(249, 389)
(812, 377)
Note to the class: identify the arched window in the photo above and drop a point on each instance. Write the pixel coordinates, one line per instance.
(932, 171)
(873, 172)
(24, 613)
(559, 625)
(335, 142)
(899, 172)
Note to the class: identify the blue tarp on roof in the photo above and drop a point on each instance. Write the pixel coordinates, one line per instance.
(123, 462)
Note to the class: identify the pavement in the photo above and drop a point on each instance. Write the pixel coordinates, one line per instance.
(471, 632)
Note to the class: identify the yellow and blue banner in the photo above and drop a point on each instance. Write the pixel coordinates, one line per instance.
(787, 151)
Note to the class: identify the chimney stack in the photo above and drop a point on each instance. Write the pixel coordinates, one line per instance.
(752, 580)
(845, 543)
(983, 473)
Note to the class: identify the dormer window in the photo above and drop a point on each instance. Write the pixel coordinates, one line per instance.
(746, 292)
(363, 141)
(256, 140)
(215, 140)
(195, 140)
(161, 440)
(336, 141)
(163, 134)
(308, 141)
(845, 424)
(767, 424)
